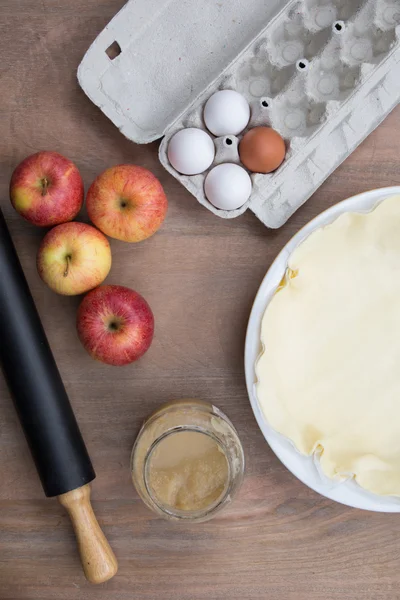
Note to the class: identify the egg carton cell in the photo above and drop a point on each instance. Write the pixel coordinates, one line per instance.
(257, 77)
(296, 38)
(319, 15)
(387, 15)
(293, 113)
(300, 121)
(323, 73)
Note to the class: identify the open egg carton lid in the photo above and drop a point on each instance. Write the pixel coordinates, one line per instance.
(323, 73)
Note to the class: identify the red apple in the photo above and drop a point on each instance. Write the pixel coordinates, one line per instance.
(127, 203)
(47, 189)
(73, 258)
(115, 324)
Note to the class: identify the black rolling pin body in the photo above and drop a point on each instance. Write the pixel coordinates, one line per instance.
(34, 381)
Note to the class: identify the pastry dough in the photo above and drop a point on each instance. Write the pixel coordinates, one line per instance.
(329, 374)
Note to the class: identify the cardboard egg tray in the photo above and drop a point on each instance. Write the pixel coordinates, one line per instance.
(324, 73)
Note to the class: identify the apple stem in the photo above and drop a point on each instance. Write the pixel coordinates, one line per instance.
(45, 185)
(68, 259)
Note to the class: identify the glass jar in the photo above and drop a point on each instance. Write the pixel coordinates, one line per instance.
(187, 462)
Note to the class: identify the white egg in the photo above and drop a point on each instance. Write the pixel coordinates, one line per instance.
(227, 186)
(191, 151)
(226, 113)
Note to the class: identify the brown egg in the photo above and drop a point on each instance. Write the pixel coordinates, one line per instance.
(262, 150)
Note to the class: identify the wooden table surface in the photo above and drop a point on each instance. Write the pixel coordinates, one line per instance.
(278, 540)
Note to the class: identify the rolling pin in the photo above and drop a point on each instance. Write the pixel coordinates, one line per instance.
(45, 412)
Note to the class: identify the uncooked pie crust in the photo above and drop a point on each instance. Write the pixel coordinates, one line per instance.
(329, 374)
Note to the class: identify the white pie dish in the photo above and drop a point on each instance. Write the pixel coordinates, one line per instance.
(304, 468)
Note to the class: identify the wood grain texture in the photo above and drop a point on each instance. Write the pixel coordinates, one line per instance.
(279, 540)
(98, 560)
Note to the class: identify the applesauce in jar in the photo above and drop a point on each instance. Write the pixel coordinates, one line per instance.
(187, 462)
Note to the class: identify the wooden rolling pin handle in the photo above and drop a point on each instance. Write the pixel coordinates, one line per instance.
(98, 560)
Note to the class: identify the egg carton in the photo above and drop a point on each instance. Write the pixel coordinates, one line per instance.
(322, 73)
